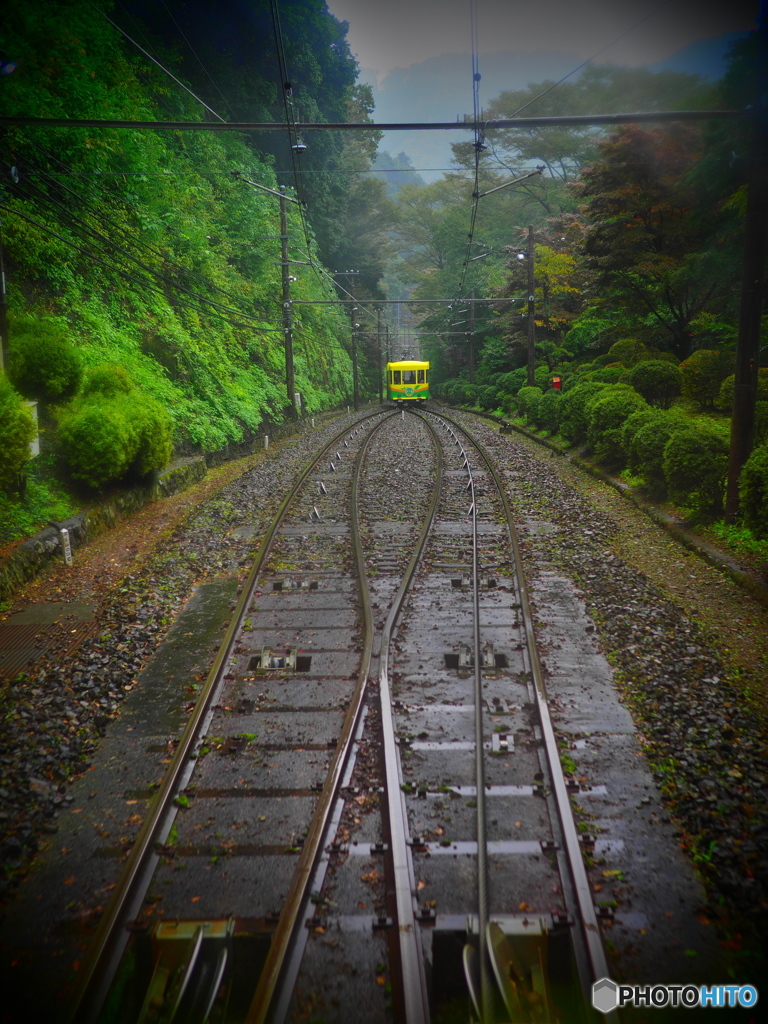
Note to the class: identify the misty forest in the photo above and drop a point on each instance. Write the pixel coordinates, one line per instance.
(145, 308)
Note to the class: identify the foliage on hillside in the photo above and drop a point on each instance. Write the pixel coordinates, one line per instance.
(145, 246)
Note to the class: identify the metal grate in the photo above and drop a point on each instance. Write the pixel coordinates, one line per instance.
(22, 645)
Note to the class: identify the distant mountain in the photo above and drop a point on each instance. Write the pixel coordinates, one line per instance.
(440, 89)
(706, 57)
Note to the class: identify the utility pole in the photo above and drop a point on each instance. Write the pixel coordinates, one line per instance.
(4, 354)
(389, 354)
(472, 337)
(752, 279)
(287, 311)
(378, 353)
(531, 325)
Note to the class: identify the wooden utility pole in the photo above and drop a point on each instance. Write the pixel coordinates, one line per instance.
(531, 325)
(378, 353)
(287, 312)
(472, 337)
(4, 354)
(355, 394)
(752, 279)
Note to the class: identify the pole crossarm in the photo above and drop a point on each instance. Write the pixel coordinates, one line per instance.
(573, 121)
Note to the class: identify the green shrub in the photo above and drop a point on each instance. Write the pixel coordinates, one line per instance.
(606, 414)
(527, 399)
(753, 491)
(44, 364)
(510, 383)
(649, 445)
(703, 373)
(761, 423)
(488, 397)
(546, 410)
(17, 428)
(633, 423)
(628, 352)
(573, 410)
(658, 381)
(155, 434)
(606, 375)
(99, 440)
(695, 468)
(108, 379)
(725, 395)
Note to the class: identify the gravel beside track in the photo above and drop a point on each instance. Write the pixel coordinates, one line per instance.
(656, 609)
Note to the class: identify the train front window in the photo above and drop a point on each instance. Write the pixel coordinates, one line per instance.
(409, 376)
(420, 376)
(395, 376)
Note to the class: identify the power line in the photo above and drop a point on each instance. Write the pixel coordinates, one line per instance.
(132, 277)
(570, 120)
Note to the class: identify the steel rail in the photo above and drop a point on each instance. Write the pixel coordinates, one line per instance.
(483, 900)
(91, 983)
(263, 1002)
(483, 895)
(588, 917)
(411, 958)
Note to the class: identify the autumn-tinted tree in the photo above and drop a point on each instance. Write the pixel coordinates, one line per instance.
(645, 244)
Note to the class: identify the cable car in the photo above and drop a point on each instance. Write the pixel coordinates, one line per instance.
(408, 380)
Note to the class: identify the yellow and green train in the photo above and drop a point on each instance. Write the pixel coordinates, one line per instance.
(408, 380)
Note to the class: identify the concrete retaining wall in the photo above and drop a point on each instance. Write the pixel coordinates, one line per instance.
(32, 555)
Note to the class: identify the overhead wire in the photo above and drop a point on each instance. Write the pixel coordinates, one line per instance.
(128, 276)
(113, 225)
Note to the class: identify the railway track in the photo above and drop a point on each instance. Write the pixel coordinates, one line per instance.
(365, 815)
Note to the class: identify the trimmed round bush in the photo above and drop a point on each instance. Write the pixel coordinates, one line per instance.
(546, 411)
(606, 414)
(695, 468)
(527, 399)
(573, 410)
(649, 445)
(633, 423)
(753, 491)
(17, 428)
(761, 423)
(703, 373)
(155, 434)
(725, 395)
(107, 379)
(44, 364)
(628, 352)
(658, 381)
(99, 441)
(606, 375)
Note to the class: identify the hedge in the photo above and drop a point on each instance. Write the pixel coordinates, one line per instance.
(659, 382)
(606, 414)
(17, 428)
(703, 373)
(753, 491)
(44, 365)
(695, 465)
(573, 410)
(649, 446)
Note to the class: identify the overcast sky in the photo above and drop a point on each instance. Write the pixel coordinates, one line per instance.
(384, 34)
